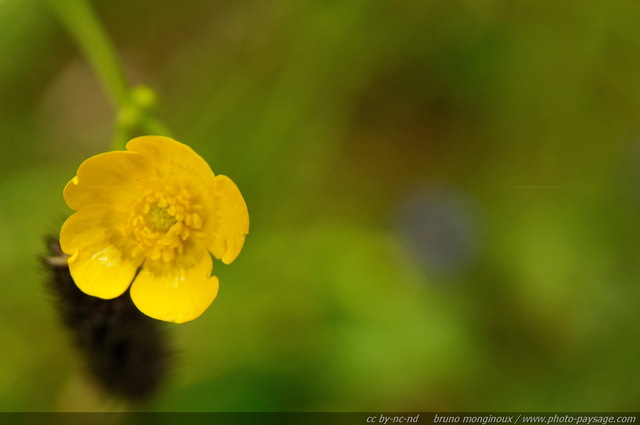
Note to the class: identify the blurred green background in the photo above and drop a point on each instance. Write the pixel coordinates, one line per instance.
(443, 196)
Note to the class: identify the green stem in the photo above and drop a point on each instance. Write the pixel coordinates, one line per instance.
(134, 106)
(86, 29)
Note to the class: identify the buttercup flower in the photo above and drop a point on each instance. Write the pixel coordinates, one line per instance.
(148, 218)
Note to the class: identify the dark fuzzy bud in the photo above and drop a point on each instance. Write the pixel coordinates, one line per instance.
(125, 351)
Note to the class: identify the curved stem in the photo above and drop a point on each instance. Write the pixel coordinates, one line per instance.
(134, 105)
(86, 29)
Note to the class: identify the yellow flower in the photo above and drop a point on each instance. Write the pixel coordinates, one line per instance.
(148, 218)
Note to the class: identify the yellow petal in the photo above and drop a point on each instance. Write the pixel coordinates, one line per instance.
(101, 263)
(226, 233)
(178, 291)
(173, 159)
(111, 178)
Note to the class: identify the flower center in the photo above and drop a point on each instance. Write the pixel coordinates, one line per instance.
(160, 219)
(163, 221)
